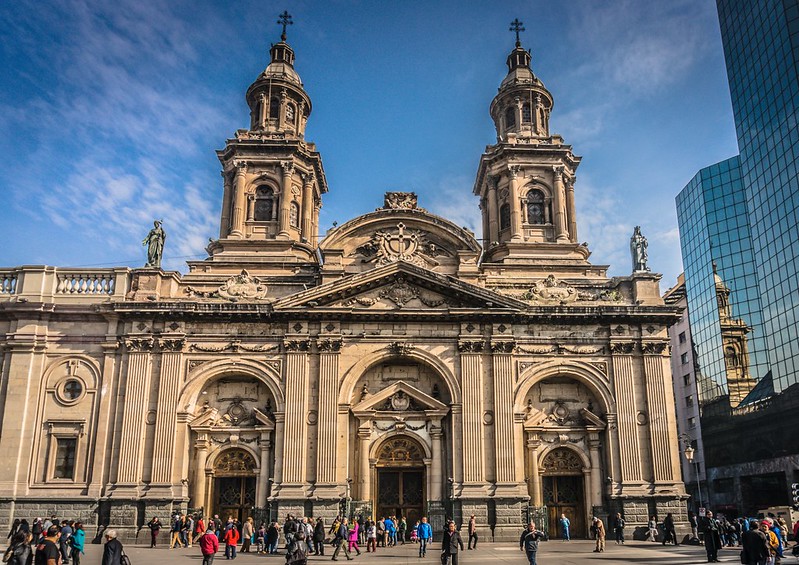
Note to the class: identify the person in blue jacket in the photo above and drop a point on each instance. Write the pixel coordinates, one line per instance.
(425, 536)
(77, 542)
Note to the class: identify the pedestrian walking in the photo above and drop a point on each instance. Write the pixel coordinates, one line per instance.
(599, 530)
(425, 536)
(47, 549)
(618, 528)
(755, 546)
(319, 537)
(402, 529)
(565, 526)
(669, 533)
(528, 542)
(77, 543)
(19, 551)
(231, 539)
(472, 528)
(64, 541)
(209, 545)
(247, 532)
(155, 528)
(450, 545)
(272, 535)
(113, 550)
(176, 526)
(710, 527)
(341, 540)
(353, 539)
(371, 537)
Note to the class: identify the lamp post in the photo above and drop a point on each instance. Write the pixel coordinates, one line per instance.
(689, 453)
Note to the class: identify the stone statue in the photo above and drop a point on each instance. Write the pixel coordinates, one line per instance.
(638, 246)
(155, 245)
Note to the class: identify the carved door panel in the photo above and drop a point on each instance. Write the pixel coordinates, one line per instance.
(235, 496)
(563, 494)
(400, 492)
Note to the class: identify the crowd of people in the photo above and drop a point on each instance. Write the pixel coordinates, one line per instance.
(52, 542)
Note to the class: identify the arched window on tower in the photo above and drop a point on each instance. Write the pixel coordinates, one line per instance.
(527, 116)
(290, 114)
(510, 117)
(264, 204)
(536, 207)
(294, 215)
(274, 107)
(504, 217)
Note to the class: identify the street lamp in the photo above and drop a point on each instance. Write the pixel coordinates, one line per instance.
(689, 456)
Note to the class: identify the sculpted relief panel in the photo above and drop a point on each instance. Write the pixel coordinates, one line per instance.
(560, 402)
(402, 244)
(235, 399)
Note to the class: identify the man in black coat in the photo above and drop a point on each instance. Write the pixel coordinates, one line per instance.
(112, 552)
(755, 545)
(450, 544)
(712, 538)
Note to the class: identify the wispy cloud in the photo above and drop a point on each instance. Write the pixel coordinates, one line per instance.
(453, 200)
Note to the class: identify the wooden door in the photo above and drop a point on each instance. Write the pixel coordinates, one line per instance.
(563, 494)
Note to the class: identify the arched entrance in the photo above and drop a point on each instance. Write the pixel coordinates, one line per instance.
(401, 483)
(235, 473)
(563, 490)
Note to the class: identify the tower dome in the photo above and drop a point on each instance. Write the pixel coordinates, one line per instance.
(277, 99)
(522, 106)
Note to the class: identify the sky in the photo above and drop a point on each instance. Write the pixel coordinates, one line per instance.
(110, 113)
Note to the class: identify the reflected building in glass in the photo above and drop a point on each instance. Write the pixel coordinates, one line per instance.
(739, 224)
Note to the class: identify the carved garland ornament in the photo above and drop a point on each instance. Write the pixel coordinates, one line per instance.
(234, 346)
(400, 293)
(238, 287)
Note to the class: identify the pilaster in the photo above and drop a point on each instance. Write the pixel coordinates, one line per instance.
(627, 408)
(285, 199)
(295, 434)
(240, 200)
(326, 451)
(472, 450)
(169, 386)
(661, 418)
(515, 202)
(503, 380)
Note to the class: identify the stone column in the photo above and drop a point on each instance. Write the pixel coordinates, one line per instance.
(263, 110)
(472, 429)
(624, 383)
(317, 205)
(570, 207)
(227, 197)
(561, 229)
(239, 200)
(515, 202)
(198, 488)
(493, 214)
(296, 431)
(104, 419)
(136, 400)
(535, 475)
(457, 430)
(596, 469)
(280, 438)
(662, 421)
(250, 207)
(263, 473)
(364, 478)
(169, 385)
(307, 204)
(518, 102)
(436, 466)
(503, 412)
(285, 197)
(326, 449)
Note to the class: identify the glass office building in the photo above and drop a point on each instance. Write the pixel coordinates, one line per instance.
(761, 49)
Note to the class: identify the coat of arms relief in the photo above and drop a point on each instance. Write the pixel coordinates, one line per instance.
(401, 244)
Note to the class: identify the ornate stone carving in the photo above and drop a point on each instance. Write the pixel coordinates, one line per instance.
(235, 461)
(236, 288)
(622, 347)
(638, 250)
(329, 345)
(654, 347)
(538, 349)
(561, 460)
(560, 414)
(411, 246)
(400, 200)
(400, 450)
(234, 346)
(471, 346)
(581, 349)
(400, 348)
(400, 293)
(296, 345)
(503, 346)
(551, 290)
(172, 344)
(137, 344)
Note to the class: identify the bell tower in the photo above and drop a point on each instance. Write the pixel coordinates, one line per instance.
(526, 180)
(272, 176)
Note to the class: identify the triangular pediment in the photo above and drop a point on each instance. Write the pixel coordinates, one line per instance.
(397, 286)
(399, 397)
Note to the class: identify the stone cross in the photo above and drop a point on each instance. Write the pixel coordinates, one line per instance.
(517, 26)
(284, 19)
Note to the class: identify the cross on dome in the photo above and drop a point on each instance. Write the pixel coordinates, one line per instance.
(516, 26)
(284, 19)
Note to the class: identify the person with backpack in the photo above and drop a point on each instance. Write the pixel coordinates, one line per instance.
(209, 545)
(19, 552)
(528, 542)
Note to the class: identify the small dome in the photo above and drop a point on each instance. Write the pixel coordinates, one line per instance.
(281, 71)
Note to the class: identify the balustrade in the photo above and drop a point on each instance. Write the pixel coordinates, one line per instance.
(8, 282)
(82, 282)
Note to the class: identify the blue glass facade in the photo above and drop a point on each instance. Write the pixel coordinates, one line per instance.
(714, 229)
(761, 48)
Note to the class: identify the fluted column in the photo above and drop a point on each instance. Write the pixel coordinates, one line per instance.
(263, 111)
(503, 412)
(239, 200)
(285, 198)
(561, 229)
(596, 470)
(571, 209)
(263, 473)
(472, 429)
(364, 478)
(535, 475)
(307, 205)
(662, 421)
(515, 202)
(136, 400)
(315, 222)
(436, 466)
(296, 431)
(326, 450)
(280, 439)
(198, 488)
(169, 385)
(227, 197)
(493, 215)
(624, 383)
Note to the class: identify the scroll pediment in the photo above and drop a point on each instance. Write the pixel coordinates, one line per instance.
(397, 286)
(399, 397)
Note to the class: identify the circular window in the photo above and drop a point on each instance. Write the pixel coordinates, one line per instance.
(70, 390)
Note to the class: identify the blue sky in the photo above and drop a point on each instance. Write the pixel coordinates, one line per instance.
(110, 113)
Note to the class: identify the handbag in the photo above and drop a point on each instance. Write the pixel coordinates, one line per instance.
(444, 558)
(124, 559)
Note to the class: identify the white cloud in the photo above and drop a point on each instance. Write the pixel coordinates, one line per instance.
(453, 199)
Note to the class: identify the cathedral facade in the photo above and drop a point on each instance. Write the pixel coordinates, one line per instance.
(395, 366)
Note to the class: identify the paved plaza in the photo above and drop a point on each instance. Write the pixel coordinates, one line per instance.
(551, 553)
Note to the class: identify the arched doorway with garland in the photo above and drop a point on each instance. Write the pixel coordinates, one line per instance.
(400, 469)
(563, 491)
(235, 479)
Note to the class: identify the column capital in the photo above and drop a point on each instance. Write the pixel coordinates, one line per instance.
(654, 347)
(308, 178)
(287, 166)
(329, 345)
(514, 171)
(557, 171)
(503, 346)
(471, 346)
(240, 166)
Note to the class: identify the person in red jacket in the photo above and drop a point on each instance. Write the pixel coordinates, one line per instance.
(231, 541)
(209, 545)
(199, 529)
